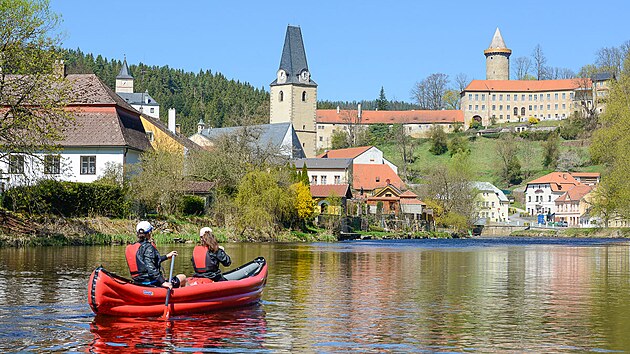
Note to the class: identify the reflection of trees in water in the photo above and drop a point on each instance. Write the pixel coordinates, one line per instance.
(242, 328)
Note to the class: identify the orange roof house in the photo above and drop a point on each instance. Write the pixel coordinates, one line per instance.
(390, 117)
(348, 153)
(369, 177)
(559, 181)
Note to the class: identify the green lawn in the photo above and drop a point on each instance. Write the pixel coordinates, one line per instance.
(485, 160)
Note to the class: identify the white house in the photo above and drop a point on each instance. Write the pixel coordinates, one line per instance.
(326, 171)
(106, 132)
(362, 155)
(541, 193)
(491, 202)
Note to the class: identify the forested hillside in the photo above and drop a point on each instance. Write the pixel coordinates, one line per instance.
(211, 96)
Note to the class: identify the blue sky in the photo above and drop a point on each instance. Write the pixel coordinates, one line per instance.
(353, 47)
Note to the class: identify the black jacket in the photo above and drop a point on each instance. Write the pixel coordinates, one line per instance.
(149, 260)
(212, 264)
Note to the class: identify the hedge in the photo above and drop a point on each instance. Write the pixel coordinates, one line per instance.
(69, 199)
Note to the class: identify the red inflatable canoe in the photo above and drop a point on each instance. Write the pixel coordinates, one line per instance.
(111, 294)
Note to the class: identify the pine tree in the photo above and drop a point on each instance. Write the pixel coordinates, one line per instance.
(381, 102)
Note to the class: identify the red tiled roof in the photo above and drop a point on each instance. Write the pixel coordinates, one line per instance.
(527, 85)
(559, 181)
(575, 193)
(348, 153)
(411, 201)
(324, 190)
(390, 117)
(585, 174)
(408, 194)
(365, 176)
(199, 187)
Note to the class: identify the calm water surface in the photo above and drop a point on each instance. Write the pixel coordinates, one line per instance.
(514, 295)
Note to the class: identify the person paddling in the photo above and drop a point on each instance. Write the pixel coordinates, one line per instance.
(207, 257)
(144, 260)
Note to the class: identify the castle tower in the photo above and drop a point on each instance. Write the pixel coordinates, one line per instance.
(293, 93)
(124, 80)
(497, 59)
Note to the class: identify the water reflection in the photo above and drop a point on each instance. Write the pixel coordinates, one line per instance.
(551, 295)
(240, 330)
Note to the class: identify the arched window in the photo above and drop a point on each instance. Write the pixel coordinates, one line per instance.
(281, 96)
(303, 96)
(515, 111)
(522, 111)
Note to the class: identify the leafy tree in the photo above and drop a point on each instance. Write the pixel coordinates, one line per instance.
(507, 152)
(429, 93)
(32, 91)
(303, 202)
(551, 151)
(339, 140)
(405, 146)
(304, 176)
(459, 145)
(157, 182)
(451, 99)
(381, 102)
(439, 141)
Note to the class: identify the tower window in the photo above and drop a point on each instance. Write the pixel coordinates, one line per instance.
(303, 96)
(281, 96)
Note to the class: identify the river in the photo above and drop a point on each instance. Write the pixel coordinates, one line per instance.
(484, 295)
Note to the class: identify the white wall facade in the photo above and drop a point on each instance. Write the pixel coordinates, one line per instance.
(374, 156)
(490, 207)
(328, 176)
(539, 198)
(70, 165)
(150, 110)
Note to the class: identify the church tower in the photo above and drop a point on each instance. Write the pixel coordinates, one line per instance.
(124, 80)
(293, 93)
(497, 59)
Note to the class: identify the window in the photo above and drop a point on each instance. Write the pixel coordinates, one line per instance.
(152, 110)
(470, 96)
(556, 96)
(337, 179)
(314, 180)
(321, 138)
(494, 97)
(530, 107)
(323, 179)
(564, 106)
(476, 97)
(500, 107)
(522, 111)
(571, 95)
(508, 117)
(88, 165)
(507, 108)
(548, 96)
(556, 106)
(530, 97)
(549, 198)
(150, 136)
(303, 96)
(52, 164)
(281, 96)
(507, 97)
(501, 97)
(16, 164)
(541, 96)
(476, 107)
(494, 108)
(483, 107)
(523, 97)
(515, 111)
(541, 107)
(515, 97)
(564, 95)
(470, 107)
(483, 96)
(548, 106)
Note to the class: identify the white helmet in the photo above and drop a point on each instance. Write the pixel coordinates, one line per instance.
(144, 227)
(204, 230)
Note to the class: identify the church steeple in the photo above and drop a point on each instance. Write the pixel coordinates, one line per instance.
(293, 95)
(497, 58)
(124, 80)
(293, 66)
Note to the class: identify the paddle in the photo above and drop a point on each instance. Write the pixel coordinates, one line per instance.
(167, 311)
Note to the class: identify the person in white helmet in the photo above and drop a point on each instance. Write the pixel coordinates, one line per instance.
(207, 257)
(144, 260)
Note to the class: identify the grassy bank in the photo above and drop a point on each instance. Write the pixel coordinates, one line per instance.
(19, 230)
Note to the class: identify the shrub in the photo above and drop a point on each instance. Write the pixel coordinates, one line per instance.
(68, 199)
(533, 120)
(192, 205)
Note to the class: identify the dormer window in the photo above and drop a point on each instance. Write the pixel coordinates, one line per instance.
(282, 76)
(304, 76)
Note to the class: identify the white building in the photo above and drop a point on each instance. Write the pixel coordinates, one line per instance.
(491, 203)
(106, 132)
(541, 193)
(326, 171)
(141, 101)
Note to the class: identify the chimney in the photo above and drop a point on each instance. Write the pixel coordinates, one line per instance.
(59, 68)
(337, 109)
(171, 120)
(359, 111)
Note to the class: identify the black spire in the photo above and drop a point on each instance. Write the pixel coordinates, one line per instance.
(293, 60)
(124, 71)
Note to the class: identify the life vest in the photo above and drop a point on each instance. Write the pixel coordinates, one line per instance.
(131, 254)
(200, 259)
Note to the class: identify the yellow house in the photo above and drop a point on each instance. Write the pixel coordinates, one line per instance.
(162, 138)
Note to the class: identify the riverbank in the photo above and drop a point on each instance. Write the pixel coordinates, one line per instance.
(18, 230)
(574, 232)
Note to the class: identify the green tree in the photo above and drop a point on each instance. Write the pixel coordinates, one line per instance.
(304, 176)
(381, 102)
(507, 152)
(610, 147)
(157, 182)
(551, 151)
(459, 145)
(439, 140)
(33, 91)
(339, 139)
